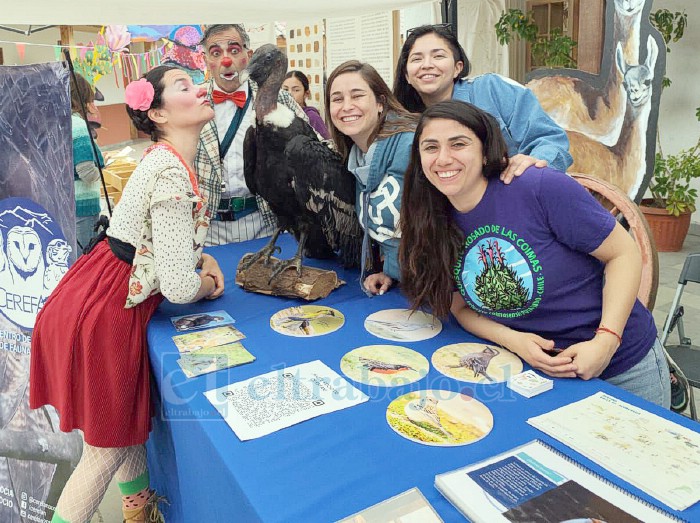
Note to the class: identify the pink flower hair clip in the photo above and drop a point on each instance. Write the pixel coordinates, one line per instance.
(139, 95)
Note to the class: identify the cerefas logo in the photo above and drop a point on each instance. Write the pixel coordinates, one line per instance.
(33, 258)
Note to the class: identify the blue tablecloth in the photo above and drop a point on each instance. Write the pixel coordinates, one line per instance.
(334, 465)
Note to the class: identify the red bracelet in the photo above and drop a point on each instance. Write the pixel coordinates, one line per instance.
(609, 331)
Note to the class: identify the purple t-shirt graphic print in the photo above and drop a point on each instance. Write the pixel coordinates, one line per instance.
(526, 263)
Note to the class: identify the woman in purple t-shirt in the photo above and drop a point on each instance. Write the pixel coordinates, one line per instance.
(538, 266)
(298, 85)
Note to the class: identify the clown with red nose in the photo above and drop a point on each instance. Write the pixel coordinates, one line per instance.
(226, 54)
(236, 214)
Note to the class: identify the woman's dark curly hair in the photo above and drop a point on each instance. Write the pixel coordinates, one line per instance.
(405, 92)
(431, 241)
(140, 118)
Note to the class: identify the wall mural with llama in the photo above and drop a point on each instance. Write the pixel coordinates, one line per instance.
(611, 118)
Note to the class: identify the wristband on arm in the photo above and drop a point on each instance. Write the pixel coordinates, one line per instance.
(603, 328)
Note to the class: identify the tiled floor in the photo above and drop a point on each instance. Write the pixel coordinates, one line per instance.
(670, 265)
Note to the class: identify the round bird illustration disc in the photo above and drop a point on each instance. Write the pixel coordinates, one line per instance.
(476, 362)
(307, 320)
(384, 365)
(439, 417)
(403, 325)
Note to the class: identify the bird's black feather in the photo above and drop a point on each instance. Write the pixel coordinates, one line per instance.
(249, 159)
(305, 183)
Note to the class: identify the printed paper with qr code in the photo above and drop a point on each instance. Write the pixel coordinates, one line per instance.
(282, 398)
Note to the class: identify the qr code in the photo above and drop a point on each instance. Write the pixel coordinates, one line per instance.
(267, 401)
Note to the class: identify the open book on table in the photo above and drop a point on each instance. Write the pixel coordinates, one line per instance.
(654, 454)
(535, 482)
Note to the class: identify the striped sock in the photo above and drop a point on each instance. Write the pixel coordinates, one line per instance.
(135, 493)
(58, 519)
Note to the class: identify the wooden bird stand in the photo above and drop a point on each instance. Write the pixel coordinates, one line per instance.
(311, 285)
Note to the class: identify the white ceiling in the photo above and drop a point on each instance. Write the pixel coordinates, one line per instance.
(144, 12)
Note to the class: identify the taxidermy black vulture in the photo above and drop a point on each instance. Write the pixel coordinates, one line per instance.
(307, 186)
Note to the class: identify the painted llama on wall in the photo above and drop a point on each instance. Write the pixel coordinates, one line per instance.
(596, 109)
(622, 163)
(576, 104)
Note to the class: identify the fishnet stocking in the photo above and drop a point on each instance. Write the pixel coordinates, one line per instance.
(134, 464)
(87, 485)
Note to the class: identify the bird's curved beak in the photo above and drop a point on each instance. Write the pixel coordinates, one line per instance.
(243, 76)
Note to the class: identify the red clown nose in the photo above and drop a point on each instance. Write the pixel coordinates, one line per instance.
(226, 62)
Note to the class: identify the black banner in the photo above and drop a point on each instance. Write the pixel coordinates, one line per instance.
(37, 232)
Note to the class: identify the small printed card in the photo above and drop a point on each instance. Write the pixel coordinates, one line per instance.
(529, 383)
(212, 359)
(201, 320)
(207, 338)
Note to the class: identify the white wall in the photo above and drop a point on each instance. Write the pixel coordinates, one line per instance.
(678, 126)
(475, 26)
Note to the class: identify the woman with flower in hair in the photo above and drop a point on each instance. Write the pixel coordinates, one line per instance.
(89, 352)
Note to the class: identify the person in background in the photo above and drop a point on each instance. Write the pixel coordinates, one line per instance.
(296, 83)
(540, 267)
(433, 67)
(85, 165)
(89, 355)
(373, 133)
(237, 215)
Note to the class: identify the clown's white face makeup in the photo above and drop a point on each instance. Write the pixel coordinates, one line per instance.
(226, 56)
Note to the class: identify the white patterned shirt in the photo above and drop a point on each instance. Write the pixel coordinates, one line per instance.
(172, 223)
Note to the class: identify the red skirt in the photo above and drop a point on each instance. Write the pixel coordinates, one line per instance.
(89, 355)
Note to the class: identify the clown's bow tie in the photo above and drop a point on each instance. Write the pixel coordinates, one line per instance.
(238, 97)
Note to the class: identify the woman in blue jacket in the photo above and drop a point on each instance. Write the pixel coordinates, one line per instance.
(433, 67)
(373, 133)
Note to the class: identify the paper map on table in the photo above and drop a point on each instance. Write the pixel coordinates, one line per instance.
(282, 398)
(660, 457)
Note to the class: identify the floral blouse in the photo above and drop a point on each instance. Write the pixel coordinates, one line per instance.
(162, 214)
